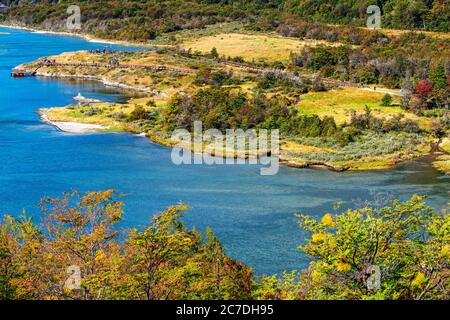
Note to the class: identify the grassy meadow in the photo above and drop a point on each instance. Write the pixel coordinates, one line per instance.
(251, 47)
(339, 102)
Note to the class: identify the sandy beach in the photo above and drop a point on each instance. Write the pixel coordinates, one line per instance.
(71, 127)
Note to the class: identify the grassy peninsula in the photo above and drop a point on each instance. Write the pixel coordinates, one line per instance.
(332, 122)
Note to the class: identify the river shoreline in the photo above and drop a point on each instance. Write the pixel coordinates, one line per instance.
(80, 128)
(86, 128)
(86, 37)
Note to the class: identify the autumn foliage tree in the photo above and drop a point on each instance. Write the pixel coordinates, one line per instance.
(408, 241)
(169, 261)
(423, 89)
(164, 260)
(80, 230)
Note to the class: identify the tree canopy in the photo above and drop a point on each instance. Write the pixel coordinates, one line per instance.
(407, 242)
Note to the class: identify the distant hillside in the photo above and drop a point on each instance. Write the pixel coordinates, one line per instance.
(146, 19)
(398, 14)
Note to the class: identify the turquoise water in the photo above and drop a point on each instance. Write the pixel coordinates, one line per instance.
(252, 215)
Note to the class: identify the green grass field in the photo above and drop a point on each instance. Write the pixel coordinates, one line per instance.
(339, 102)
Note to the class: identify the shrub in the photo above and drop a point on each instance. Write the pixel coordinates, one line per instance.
(151, 103)
(346, 136)
(118, 116)
(366, 75)
(138, 113)
(386, 100)
(214, 54)
(318, 85)
(321, 57)
(92, 112)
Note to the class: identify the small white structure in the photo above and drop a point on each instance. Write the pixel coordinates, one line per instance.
(79, 97)
(83, 100)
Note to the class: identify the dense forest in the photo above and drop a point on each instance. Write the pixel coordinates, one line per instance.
(142, 20)
(78, 251)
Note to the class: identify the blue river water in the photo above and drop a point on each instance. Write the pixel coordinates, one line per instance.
(252, 215)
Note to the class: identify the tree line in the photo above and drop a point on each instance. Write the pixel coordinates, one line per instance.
(222, 108)
(144, 20)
